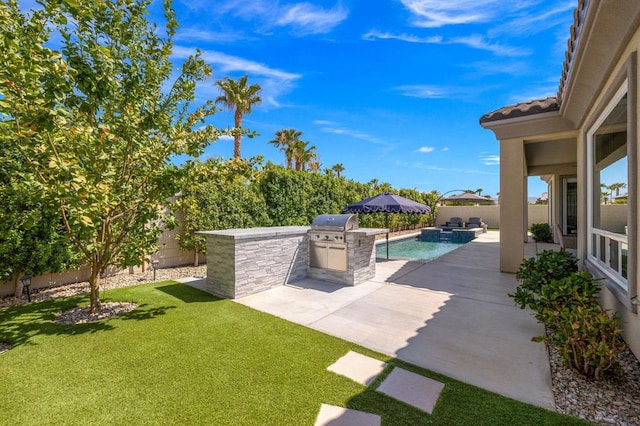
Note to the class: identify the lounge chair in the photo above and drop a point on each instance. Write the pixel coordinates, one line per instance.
(454, 222)
(476, 222)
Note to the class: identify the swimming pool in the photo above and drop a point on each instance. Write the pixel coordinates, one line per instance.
(414, 249)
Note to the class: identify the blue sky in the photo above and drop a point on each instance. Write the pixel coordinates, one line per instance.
(391, 89)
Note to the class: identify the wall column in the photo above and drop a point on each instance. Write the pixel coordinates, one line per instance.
(513, 199)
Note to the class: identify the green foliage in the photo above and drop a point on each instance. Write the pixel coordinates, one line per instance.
(94, 123)
(541, 232)
(566, 302)
(219, 194)
(536, 272)
(563, 295)
(32, 238)
(588, 339)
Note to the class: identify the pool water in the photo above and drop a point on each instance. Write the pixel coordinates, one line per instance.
(414, 249)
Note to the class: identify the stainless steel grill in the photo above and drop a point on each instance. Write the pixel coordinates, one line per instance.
(327, 244)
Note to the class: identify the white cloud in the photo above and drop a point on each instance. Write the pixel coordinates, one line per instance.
(302, 18)
(532, 23)
(374, 35)
(274, 82)
(196, 34)
(437, 13)
(352, 133)
(491, 160)
(306, 18)
(480, 42)
(475, 41)
(323, 122)
(426, 149)
(423, 91)
(446, 148)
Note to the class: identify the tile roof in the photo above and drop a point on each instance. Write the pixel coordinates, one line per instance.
(578, 19)
(537, 106)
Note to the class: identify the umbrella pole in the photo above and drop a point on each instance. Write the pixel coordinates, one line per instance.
(386, 224)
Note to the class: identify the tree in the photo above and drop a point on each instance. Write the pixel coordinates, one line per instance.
(303, 154)
(32, 238)
(93, 124)
(239, 98)
(617, 187)
(285, 140)
(338, 168)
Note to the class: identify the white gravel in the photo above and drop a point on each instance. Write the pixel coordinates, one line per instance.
(613, 401)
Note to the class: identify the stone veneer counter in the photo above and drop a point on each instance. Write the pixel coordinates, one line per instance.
(241, 262)
(251, 260)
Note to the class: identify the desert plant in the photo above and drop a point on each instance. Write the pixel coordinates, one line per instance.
(588, 339)
(541, 232)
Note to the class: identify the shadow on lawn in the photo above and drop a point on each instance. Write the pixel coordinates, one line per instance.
(187, 294)
(20, 324)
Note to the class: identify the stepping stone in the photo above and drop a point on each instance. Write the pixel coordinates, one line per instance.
(358, 367)
(330, 415)
(411, 388)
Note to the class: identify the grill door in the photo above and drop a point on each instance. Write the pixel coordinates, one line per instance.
(337, 257)
(318, 257)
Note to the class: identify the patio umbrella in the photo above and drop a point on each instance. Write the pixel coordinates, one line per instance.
(387, 203)
(469, 197)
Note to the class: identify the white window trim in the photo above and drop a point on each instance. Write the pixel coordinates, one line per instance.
(613, 275)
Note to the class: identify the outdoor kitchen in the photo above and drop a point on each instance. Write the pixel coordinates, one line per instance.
(241, 262)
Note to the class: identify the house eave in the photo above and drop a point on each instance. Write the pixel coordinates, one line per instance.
(530, 125)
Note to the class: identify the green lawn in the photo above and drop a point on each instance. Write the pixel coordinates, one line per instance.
(185, 357)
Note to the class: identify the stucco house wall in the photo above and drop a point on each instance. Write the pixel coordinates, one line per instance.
(552, 138)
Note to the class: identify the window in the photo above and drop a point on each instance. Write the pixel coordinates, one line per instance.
(608, 178)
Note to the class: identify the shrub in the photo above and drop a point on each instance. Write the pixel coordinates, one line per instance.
(588, 339)
(566, 302)
(541, 232)
(534, 273)
(578, 290)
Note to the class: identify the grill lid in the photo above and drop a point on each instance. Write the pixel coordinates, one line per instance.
(335, 222)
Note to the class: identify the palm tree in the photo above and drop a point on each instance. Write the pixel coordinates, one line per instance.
(617, 187)
(338, 168)
(285, 140)
(303, 154)
(239, 98)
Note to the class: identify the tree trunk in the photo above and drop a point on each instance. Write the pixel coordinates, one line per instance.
(195, 258)
(94, 283)
(238, 135)
(17, 285)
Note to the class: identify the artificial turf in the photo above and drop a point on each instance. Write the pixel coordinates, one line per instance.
(186, 357)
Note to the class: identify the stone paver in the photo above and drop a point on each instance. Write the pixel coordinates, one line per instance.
(339, 416)
(411, 388)
(359, 368)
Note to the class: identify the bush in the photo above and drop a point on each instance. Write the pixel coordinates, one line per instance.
(539, 271)
(566, 302)
(588, 340)
(541, 232)
(578, 290)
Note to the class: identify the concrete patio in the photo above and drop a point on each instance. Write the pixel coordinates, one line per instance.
(451, 315)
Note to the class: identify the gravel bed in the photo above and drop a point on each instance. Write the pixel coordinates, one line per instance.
(82, 314)
(122, 279)
(615, 400)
